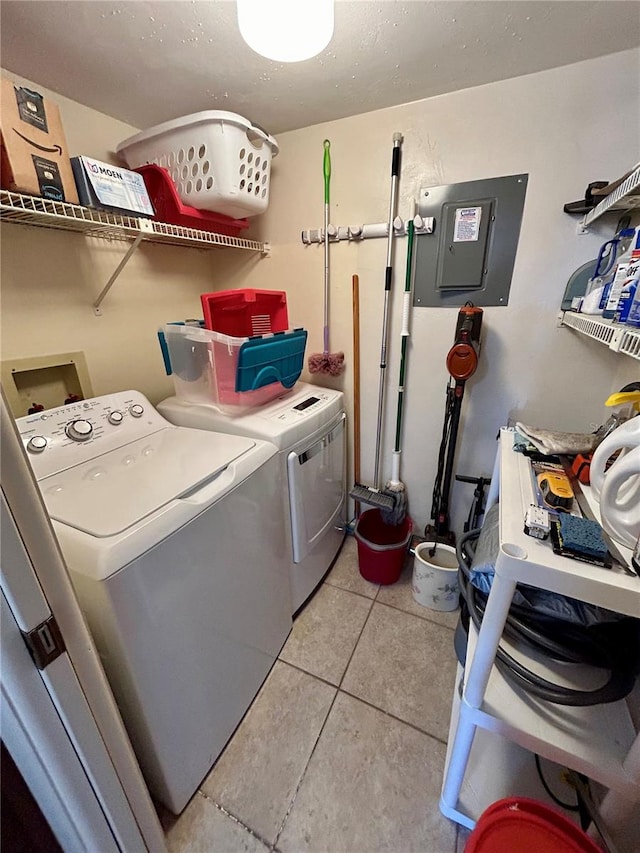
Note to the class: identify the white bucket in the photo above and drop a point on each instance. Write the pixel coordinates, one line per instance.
(435, 578)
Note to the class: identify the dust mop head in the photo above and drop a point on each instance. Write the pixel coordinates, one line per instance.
(397, 514)
(331, 363)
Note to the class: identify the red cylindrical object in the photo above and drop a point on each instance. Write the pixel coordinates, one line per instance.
(523, 824)
(382, 548)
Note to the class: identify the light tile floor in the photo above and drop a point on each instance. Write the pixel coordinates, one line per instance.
(343, 748)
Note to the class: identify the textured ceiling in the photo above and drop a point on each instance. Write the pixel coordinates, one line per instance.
(147, 62)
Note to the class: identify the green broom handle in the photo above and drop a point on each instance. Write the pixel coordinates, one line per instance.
(326, 168)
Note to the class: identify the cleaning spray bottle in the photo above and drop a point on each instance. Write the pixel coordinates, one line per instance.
(633, 319)
(628, 292)
(627, 249)
(598, 286)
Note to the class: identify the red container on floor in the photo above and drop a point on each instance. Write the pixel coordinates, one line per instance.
(382, 548)
(522, 825)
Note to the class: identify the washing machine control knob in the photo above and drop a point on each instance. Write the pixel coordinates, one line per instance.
(136, 410)
(79, 430)
(36, 444)
(115, 418)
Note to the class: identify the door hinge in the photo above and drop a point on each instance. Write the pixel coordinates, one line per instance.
(44, 642)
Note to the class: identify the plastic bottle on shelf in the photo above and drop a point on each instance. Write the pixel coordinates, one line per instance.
(633, 318)
(628, 251)
(600, 282)
(628, 292)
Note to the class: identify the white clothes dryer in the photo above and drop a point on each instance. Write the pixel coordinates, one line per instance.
(174, 540)
(308, 426)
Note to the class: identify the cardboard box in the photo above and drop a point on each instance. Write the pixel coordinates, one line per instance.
(35, 159)
(106, 187)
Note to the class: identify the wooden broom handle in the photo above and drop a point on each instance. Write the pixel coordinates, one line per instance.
(355, 281)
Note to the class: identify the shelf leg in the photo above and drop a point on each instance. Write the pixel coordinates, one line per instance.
(616, 809)
(494, 486)
(463, 741)
(495, 615)
(118, 270)
(477, 673)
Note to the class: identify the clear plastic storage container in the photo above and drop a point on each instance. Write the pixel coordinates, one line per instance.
(209, 367)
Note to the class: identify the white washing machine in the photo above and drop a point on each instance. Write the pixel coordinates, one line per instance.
(308, 426)
(174, 540)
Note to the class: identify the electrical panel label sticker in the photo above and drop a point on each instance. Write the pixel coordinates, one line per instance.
(466, 227)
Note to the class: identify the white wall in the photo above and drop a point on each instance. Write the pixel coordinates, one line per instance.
(50, 280)
(564, 127)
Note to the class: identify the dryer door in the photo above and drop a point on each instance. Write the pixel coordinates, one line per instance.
(316, 488)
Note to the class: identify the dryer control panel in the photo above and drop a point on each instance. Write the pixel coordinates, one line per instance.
(302, 406)
(67, 435)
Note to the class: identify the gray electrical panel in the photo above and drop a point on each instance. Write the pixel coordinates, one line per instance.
(471, 252)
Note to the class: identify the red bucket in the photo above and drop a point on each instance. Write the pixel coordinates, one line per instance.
(519, 823)
(382, 548)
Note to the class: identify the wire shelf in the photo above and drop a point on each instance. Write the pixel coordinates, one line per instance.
(618, 338)
(624, 197)
(62, 216)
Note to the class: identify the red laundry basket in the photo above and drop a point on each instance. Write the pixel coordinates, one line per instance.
(522, 825)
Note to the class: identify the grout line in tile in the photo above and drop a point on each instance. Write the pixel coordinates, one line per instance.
(227, 813)
(393, 716)
(408, 612)
(304, 772)
(353, 591)
(353, 651)
(306, 672)
(311, 754)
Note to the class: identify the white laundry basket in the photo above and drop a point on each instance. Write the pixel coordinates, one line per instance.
(218, 160)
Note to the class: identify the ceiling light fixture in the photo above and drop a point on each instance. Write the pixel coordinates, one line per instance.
(286, 30)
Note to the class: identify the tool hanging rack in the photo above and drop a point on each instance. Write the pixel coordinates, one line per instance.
(356, 233)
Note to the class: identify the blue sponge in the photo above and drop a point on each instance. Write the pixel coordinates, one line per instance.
(582, 536)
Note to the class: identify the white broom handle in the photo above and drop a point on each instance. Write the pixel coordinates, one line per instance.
(395, 468)
(395, 172)
(406, 311)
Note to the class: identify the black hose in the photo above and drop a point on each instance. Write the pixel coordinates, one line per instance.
(442, 453)
(570, 807)
(561, 641)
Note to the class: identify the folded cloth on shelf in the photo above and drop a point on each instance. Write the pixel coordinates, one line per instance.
(549, 441)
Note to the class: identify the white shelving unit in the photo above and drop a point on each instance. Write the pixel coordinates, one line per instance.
(618, 338)
(61, 216)
(493, 721)
(625, 196)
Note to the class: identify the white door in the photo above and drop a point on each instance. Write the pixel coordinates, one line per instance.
(59, 719)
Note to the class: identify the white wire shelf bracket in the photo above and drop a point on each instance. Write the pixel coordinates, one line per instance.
(62, 216)
(624, 197)
(618, 338)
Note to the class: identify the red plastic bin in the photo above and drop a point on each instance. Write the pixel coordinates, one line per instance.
(170, 208)
(382, 548)
(527, 826)
(246, 312)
